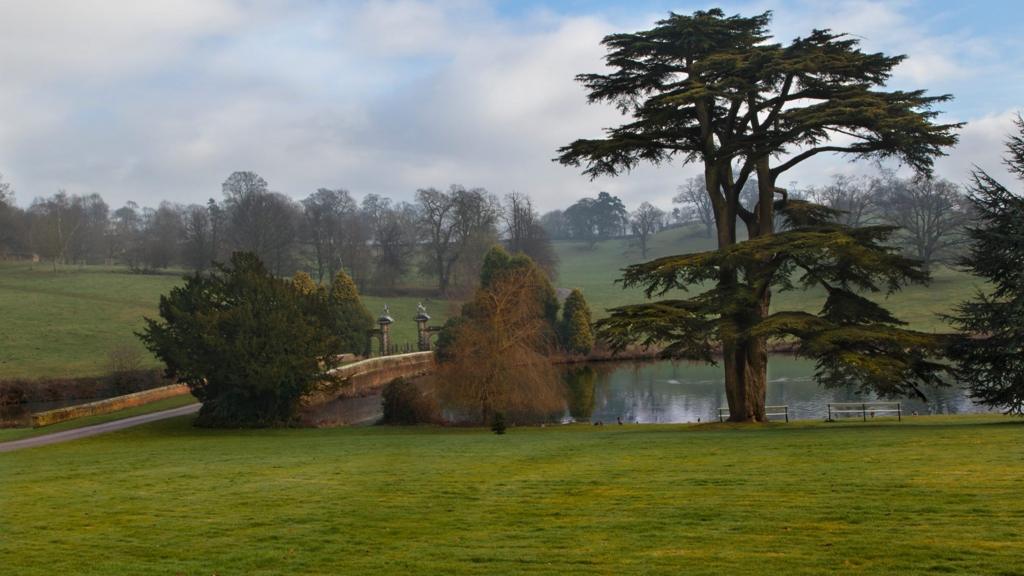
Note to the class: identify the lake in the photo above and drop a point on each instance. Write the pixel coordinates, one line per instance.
(665, 391)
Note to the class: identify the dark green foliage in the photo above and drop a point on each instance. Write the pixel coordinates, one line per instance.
(405, 404)
(855, 341)
(576, 327)
(710, 89)
(349, 319)
(498, 424)
(498, 263)
(443, 347)
(249, 345)
(991, 352)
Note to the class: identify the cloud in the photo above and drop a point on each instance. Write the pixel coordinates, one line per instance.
(151, 101)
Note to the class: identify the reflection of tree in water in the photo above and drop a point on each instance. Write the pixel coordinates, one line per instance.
(663, 391)
(580, 381)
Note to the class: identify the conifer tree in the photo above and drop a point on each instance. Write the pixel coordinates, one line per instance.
(248, 344)
(304, 283)
(714, 90)
(991, 352)
(349, 318)
(576, 331)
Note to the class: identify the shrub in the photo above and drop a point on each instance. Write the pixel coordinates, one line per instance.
(249, 345)
(349, 318)
(404, 403)
(498, 424)
(576, 329)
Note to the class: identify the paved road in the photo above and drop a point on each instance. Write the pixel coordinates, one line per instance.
(87, 431)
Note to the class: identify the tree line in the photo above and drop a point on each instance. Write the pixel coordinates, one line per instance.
(931, 214)
(443, 234)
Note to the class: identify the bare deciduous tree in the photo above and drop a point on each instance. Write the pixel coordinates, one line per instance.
(459, 226)
(696, 204)
(393, 230)
(525, 233)
(855, 198)
(931, 215)
(499, 361)
(645, 222)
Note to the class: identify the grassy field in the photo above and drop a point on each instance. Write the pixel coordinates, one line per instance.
(594, 270)
(65, 323)
(930, 495)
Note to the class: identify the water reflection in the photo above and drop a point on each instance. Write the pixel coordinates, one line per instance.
(667, 391)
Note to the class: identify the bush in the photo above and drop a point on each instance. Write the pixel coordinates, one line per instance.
(404, 403)
(249, 345)
(498, 425)
(576, 329)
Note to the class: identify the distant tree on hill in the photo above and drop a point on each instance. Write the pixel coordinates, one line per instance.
(260, 221)
(249, 345)
(600, 218)
(525, 233)
(931, 216)
(458, 227)
(693, 196)
(645, 223)
(324, 218)
(556, 225)
(393, 233)
(198, 246)
(855, 199)
(989, 354)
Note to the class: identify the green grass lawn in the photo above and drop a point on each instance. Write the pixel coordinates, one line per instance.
(65, 323)
(8, 434)
(594, 270)
(930, 495)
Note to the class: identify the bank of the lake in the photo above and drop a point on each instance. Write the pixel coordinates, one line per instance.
(934, 493)
(678, 392)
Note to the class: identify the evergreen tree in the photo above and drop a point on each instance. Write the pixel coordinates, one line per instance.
(576, 331)
(715, 90)
(304, 283)
(249, 345)
(349, 318)
(991, 353)
(498, 263)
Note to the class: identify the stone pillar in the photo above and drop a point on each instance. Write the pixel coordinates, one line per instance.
(423, 333)
(384, 322)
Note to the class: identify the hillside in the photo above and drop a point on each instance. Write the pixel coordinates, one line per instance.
(595, 270)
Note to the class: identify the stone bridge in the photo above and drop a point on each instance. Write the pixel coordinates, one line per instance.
(361, 380)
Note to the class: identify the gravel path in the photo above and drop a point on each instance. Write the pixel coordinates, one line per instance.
(87, 431)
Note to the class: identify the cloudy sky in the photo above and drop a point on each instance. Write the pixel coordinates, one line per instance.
(157, 100)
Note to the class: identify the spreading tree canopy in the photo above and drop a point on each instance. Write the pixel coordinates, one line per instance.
(248, 345)
(715, 90)
(991, 353)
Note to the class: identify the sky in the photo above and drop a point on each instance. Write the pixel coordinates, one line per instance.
(162, 100)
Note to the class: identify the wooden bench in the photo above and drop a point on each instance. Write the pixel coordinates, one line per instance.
(864, 409)
(769, 411)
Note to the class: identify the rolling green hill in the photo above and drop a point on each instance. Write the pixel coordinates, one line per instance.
(594, 270)
(65, 323)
